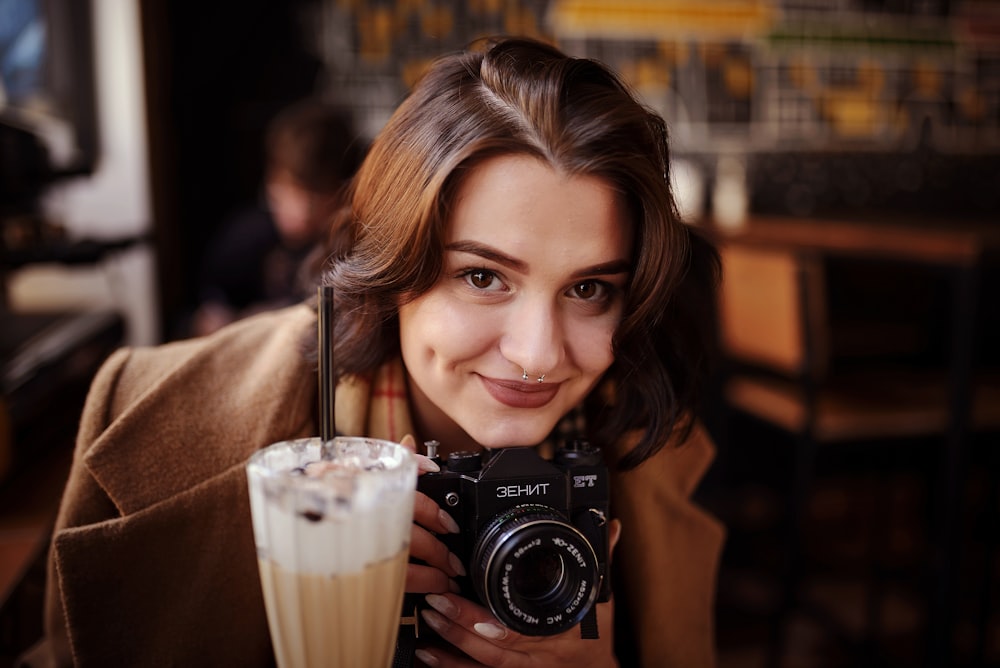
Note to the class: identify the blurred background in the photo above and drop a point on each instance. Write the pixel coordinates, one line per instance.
(844, 155)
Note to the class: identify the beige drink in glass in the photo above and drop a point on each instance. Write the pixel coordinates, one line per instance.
(332, 537)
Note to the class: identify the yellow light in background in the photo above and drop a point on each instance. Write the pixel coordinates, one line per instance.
(521, 21)
(870, 77)
(413, 69)
(486, 6)
(738, 76)
(803, 75)
(971, 104)
(928, 79)
(650, 73)
(376, 29)
(437, 22)
(633, 19)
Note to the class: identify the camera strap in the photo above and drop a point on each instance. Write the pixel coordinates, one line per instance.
(588, 625)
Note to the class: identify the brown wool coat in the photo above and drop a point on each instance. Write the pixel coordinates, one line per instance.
(153, 561)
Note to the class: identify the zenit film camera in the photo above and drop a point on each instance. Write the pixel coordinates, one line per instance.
(534, 534)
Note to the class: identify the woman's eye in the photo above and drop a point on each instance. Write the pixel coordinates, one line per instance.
(590, 290)
(482, 279)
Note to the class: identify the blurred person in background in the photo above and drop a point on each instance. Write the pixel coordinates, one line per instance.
(255, 260)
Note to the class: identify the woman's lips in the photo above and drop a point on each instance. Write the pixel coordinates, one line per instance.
(518, 394)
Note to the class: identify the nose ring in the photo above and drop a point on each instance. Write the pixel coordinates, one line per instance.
(524, 376)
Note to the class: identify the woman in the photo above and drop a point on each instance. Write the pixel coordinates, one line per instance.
(511, 271)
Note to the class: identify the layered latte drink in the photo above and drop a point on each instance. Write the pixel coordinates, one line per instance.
(332, 526)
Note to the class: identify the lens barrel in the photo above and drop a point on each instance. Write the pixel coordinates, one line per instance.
(538, 574)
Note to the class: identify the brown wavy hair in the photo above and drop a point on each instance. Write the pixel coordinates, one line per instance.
(518, 96)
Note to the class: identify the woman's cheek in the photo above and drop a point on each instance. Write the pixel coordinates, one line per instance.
(591, 342)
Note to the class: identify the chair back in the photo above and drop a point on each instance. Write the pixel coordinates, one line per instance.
(772, 310)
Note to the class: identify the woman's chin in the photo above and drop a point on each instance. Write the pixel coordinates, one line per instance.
(493, 438)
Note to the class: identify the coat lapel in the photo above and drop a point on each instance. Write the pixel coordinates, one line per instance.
(667, 559)
(170, 438)
(121, 613)
(176, 476)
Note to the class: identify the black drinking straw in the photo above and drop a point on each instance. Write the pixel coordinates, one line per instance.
(327, 377)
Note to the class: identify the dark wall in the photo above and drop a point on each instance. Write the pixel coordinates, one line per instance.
(216, 73)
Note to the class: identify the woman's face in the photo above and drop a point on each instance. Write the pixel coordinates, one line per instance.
(535, 267)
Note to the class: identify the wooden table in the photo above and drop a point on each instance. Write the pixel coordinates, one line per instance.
(945, 243)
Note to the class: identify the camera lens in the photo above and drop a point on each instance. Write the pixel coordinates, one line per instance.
(536, 573)
(537, 578)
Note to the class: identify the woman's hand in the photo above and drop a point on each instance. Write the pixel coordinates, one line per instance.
(483, 641)
(440, 565)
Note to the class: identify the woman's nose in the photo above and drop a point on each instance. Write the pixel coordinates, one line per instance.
(533, 339)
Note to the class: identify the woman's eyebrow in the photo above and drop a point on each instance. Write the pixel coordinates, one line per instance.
(494, 255)
(605, 269)
(487, 253)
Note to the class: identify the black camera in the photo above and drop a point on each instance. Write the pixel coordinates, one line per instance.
(534, 534)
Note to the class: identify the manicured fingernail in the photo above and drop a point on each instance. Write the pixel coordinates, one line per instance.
(491, 631)
(456, 564)
(427, 465)
(453, 587)
(442, 605)
(448, 522)
(434, 620)
(426, 657)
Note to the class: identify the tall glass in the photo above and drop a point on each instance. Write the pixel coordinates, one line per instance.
(332, 526)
